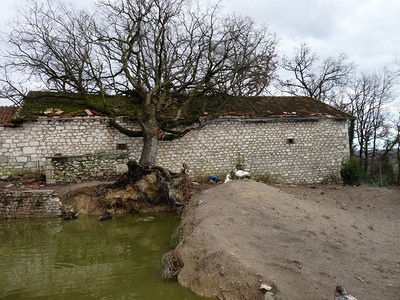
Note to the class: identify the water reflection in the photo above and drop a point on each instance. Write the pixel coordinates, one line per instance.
(87, 259)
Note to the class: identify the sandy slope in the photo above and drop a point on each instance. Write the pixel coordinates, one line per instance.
(301, 240)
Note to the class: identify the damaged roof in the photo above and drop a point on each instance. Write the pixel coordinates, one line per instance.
(47, 104)
(273, 107)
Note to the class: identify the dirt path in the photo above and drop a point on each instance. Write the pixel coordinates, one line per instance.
(301, 240)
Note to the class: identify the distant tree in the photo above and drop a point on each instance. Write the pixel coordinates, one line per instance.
(369, 95)
(394, 143)
(155, 53)
(321, 80)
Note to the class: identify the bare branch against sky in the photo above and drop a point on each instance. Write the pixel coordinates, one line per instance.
(365, 30)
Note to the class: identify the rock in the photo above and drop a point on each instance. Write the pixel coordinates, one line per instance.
(265, 287)
(269, 296)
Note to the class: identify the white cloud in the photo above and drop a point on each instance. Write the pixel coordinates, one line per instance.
(366, 30)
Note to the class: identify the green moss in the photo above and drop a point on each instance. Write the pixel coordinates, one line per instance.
(35, 103)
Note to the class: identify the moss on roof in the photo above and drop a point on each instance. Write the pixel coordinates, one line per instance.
(37, 104)
(69, 105)
(272, 107)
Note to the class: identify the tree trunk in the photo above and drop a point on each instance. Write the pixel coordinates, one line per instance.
(373, 158)
(398, 163)
(360, 154)
(150, 134)
(351, 136)
(366, 156)
(150, 148)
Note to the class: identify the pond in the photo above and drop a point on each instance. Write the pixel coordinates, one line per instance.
(87, 259)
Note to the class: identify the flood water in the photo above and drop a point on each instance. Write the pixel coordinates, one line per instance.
(87, 259)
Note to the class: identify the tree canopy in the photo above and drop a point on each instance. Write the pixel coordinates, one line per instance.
(155, 53)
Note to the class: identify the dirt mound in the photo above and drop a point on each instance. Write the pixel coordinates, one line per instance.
(243, 233)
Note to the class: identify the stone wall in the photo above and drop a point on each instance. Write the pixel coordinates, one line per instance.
(30, 204)
(279, 151)
(97, 166)
(286, 151)
(24, 149)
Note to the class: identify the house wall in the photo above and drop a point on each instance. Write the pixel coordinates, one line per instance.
(315, 155)
(24, 149)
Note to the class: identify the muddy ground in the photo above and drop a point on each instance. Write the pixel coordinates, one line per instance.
(301, 240)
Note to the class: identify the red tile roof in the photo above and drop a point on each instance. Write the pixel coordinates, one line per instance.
(6, 114)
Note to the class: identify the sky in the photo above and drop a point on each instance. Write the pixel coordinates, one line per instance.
(367, 31)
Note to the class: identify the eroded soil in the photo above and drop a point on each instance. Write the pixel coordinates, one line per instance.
(301, 240)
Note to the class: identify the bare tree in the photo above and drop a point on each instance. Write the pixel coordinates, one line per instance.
(369, 95)
(319, 81)
(397, 139)
(154, 53)
(48, 48)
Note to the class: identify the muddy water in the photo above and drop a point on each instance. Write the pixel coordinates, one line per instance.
(87, 259)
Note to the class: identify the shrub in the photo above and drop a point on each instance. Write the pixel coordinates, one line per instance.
(240, 163)
(351, 172)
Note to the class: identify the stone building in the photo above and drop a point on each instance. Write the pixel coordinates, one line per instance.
(280, 139)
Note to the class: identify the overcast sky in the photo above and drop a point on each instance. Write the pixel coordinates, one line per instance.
(367, 31)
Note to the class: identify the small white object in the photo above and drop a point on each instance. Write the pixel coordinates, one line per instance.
(266, 287)
(227, 178)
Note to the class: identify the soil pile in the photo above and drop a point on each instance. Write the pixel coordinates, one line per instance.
(238, 235)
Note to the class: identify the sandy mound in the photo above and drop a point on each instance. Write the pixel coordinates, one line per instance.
(242, 233)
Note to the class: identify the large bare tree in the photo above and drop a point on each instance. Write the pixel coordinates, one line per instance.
(153, 52)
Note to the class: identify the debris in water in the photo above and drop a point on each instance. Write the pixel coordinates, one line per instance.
(146, 219)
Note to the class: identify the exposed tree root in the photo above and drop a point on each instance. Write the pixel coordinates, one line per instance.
(145, 189)
(171, 266)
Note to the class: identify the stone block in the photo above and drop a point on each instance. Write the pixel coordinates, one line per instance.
(21, 159)
(29, 150)
(30, 165)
